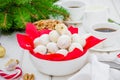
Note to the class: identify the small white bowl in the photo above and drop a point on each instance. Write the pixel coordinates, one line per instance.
(59, 68)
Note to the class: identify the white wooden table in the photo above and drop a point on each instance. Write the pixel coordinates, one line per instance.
(15, 52)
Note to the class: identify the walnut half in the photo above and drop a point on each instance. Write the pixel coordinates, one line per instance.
(28, 76)
(46, 24)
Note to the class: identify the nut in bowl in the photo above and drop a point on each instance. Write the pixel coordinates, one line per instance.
(59, 59)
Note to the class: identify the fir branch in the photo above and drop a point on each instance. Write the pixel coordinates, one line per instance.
(52, 9)
(14, 14)
(5, 21)
(4, 3)
(54, 1)
(42, 13)
(5, 17)
(32, 11)
(21, 17)
(58, 10)
(20, 2)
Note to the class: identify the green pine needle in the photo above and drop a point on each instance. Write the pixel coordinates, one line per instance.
(21, 17)
(5, 21)
(22, 2)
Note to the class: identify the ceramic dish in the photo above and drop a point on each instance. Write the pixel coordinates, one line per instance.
(74, 23)
(113, 48)
(59, 68)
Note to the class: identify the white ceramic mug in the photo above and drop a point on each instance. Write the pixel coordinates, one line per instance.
(95, 14)
(108, 31)
(76, 9)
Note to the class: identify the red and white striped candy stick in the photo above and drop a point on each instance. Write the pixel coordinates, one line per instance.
(118, 55)
(17, 74)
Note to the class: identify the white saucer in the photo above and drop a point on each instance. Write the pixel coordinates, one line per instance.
(73, 22)
(113, 48)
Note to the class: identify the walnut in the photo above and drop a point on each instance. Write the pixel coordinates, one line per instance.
(46, 24)
(28, 76)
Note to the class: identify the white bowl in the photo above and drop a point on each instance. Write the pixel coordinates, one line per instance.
(112, 37)
(59, 68)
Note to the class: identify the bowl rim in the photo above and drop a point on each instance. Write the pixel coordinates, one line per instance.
(85, 54)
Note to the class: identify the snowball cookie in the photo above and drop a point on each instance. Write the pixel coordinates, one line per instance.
(61, 28)
(64, 41)
(79, 39)
(54, 35)
(44, 39)
(36, 42)
(75, 45)
(66, 32)
(52, 47)
(40, 49)
(62, 51)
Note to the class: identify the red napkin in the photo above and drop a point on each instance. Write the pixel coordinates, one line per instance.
(26, 42)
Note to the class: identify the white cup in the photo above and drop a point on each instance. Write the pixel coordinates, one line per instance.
(108, 31)
(95, 14)
(76, 9)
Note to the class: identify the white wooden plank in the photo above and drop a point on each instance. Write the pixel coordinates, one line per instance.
(112, 10)
(13, 51)
(116, 4)
(28, 67)
(11, 45)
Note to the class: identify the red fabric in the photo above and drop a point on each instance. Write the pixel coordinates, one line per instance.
(31, 31)
(74, 54)
(91, 41)
(73, 30)
(51, 57)
(26, 42)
